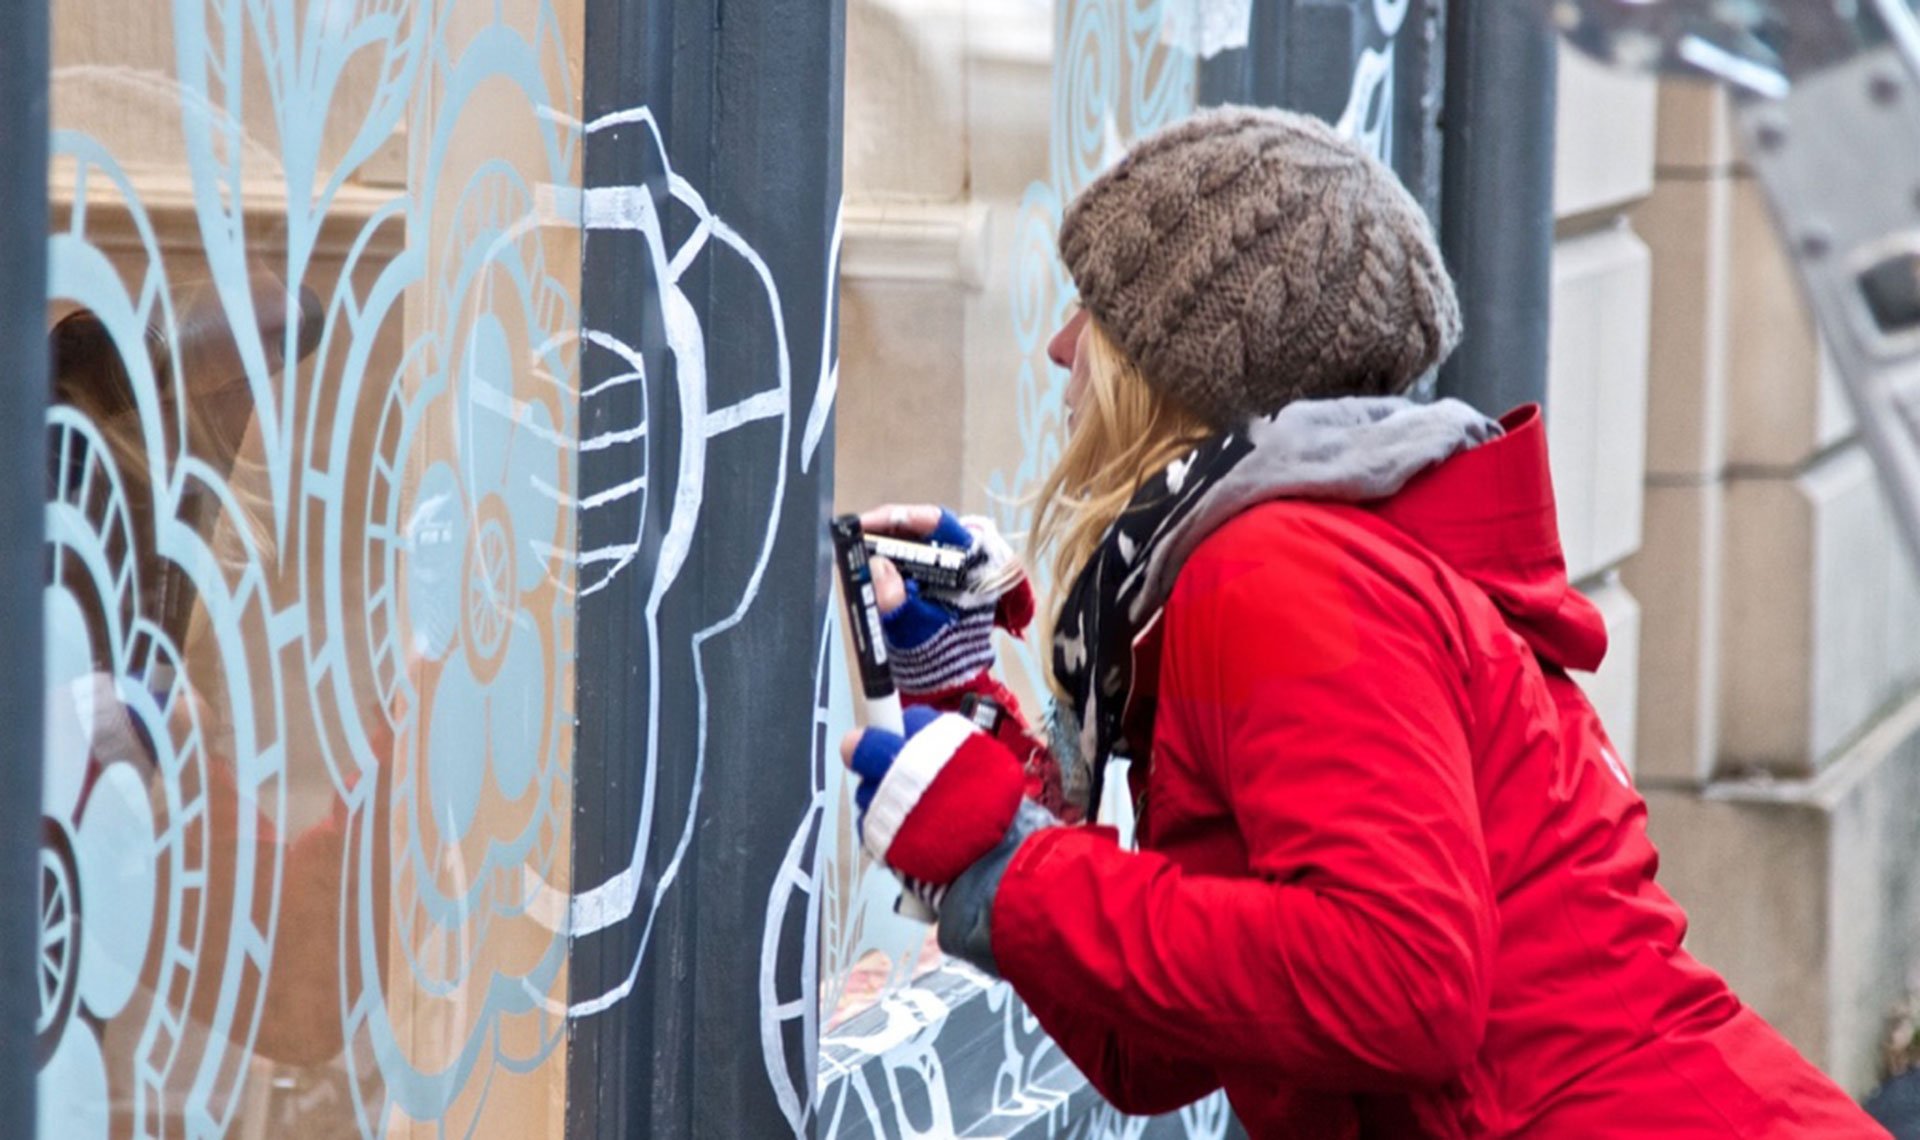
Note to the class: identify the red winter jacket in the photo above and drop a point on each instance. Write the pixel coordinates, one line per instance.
(1394, 881)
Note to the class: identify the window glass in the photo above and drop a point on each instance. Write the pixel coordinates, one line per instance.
(970, 124)
(309, 646)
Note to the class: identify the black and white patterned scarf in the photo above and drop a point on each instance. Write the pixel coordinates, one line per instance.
(1355, 450)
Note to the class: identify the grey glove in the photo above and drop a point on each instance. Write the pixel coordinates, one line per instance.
(966, 911)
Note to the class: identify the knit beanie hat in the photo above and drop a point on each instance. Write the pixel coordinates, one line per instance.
(1247, 258)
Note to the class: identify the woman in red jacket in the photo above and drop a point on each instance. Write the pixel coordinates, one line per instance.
(1393, 881)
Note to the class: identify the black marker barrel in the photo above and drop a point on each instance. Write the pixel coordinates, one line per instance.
(863, 619)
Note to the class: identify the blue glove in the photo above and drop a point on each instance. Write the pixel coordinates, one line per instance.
(937, 640)
(873, 757)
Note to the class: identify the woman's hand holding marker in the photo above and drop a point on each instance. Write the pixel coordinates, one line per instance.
(934, 801)
(939, 639)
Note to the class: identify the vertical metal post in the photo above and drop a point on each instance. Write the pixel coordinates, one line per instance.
(712, 188)
(1497, 200)
(23, 480)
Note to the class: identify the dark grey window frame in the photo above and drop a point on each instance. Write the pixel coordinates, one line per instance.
(24, 98)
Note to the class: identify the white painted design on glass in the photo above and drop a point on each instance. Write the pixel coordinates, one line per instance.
(1205, 28)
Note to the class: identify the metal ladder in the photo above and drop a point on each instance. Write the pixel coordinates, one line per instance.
(1827, 108)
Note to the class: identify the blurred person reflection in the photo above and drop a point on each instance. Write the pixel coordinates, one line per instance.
(205, 405)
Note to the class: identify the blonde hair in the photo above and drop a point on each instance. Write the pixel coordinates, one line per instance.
(1127, 432)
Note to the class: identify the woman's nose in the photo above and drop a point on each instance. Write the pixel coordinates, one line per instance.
(1061, 348)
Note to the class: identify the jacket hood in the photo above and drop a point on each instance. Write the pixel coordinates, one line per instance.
(1489, 513)
(1354, 449)
(1475, 493)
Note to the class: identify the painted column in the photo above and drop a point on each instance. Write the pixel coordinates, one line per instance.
(710, 205)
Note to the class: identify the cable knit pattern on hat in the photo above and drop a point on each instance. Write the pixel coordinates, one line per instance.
(1247, 258)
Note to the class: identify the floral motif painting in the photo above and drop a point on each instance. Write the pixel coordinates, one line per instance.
(315, 338)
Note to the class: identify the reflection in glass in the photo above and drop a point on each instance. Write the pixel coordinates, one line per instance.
(312, 325)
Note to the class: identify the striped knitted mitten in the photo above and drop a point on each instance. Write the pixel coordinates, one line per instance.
(939, 639)
(936, 800)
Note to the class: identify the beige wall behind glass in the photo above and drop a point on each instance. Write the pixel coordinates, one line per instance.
(952, 110)
(327, 873)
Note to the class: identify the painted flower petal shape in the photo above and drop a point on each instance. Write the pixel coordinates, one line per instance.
(457, 747)
(72, 1089)
(69, 712)
(114, 849)
(436, 538)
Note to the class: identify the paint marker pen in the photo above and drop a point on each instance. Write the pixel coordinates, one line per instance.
(863, 618)
(870, 652)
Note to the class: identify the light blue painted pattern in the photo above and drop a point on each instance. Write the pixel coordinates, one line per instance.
(382, 585)
(1113, 80)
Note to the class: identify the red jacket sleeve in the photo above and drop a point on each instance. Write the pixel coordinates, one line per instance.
(1314, 690)
(1134, 1078)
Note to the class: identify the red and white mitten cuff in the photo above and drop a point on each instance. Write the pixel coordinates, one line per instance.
(945, 802)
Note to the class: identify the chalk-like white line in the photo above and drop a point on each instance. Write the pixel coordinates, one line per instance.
(616, 208)
(597, 555)
(760, 406)
(608, 439)
(690, 249)
(598, 499)
(619, 381)
(641, 114)
(614, 494)
(828, 387)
